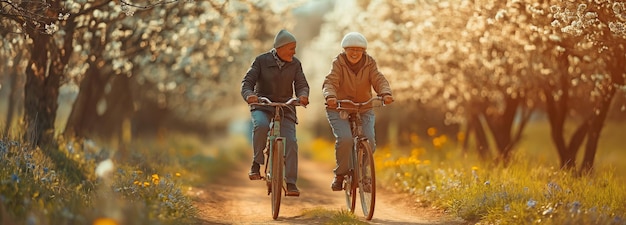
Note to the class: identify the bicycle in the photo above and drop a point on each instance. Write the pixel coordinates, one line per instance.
(362, 173)
(275, 154)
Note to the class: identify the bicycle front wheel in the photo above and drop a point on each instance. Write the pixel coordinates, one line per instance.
(277, 176)
(366, 176)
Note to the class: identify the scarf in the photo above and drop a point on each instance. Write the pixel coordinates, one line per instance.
(279, 62)
(354, 67)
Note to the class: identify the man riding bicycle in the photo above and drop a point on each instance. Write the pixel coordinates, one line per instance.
(277, 75)
(352, 76)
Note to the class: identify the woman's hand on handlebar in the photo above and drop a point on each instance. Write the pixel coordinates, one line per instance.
(331, 102)
(387, 99)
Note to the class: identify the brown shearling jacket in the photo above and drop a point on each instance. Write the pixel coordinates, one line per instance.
(343, 84)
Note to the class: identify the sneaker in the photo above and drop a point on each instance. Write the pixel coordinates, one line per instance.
(292, 190)
(254, 173)
(337, 184)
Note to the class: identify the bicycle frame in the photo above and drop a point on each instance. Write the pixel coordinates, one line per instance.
(362, 173)
(275, 152)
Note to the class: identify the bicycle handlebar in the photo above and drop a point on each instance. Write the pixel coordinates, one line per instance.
(268, 102)
(358, 105)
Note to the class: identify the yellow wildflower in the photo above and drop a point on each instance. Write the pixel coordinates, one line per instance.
(105, 221)
(432, 131)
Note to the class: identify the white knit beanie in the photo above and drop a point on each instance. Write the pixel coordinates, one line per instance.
(282, 38)
(354, 39)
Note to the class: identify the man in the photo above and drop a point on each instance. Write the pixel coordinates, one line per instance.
(277, 75)
(352, 76)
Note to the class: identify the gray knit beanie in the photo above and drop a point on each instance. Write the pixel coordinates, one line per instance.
(354, 39)
(282, 38)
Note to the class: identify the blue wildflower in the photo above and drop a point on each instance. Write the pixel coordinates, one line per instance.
(575, 207)
(531, 203)
(15, 178)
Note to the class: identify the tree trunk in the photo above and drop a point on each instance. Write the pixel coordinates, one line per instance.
(482, 144)
(40, 93)
(43, 80)
(501, 126)
(83, 118)
(595, 128)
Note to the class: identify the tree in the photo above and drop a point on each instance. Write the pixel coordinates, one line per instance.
(104, 42)
(589, 38)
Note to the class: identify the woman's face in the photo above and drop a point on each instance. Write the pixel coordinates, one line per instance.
(286, 52)
(354, 54)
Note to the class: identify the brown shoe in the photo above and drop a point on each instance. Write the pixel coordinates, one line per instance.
(292, 190)
(254, 173)
(337, 184)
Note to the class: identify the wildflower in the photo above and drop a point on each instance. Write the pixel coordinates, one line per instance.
(474, 168)
(155, 178)
(487, 183)
(432, 131)
(177, 174)
(15, 178)
(575, 207)
(45, 170)
(146, 184)
(548, 211)
(105, 221)
(507, 208)
(531, 203)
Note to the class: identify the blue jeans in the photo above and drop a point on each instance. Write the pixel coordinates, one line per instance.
(260, 128)
(343, 137)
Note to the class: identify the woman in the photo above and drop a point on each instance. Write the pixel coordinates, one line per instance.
(352, 76)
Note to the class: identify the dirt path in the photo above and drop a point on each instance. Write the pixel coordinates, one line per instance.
(236, 200)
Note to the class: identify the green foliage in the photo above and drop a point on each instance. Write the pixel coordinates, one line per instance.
(326, 216)
(524, 192)
(61, 185)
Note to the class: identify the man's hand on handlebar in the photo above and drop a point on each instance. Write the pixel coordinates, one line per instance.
(252, 99)
(304, 100)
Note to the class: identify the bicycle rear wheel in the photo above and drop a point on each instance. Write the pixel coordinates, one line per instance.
(277, 176)
(366, 176)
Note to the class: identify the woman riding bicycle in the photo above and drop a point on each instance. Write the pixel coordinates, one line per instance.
(352, 76)
(277, 75)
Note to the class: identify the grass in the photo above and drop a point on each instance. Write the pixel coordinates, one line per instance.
(81, 182)
(530, 190)
(325, 216)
